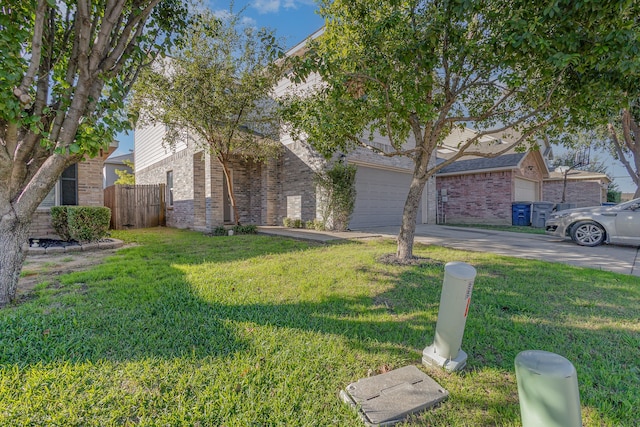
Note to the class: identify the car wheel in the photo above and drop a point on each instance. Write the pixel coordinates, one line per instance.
(588, 233)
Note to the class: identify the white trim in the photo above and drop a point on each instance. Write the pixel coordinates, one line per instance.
(476, 171)
(379, 166)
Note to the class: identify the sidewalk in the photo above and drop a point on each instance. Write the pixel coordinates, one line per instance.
(619, 259)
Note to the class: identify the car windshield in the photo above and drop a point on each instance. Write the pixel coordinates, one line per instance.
(625, 205)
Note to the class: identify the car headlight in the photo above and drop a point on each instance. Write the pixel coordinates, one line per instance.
(559, 215)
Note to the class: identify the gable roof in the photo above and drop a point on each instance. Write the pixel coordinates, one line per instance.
(118, 160)
(506, 161)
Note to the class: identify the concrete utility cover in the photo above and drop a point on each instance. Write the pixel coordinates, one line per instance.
(387, 399)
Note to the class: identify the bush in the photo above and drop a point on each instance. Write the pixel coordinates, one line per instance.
(88, 223)
(81, 223)
(220, 231)
(314, 224)
(60, 222)
(245, 229)
(339, 186)
(293, 223)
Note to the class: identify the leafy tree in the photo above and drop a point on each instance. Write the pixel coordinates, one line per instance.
(124, 176)
(67, 67)
(624, 134)
(217, 89)
(609, 83)
(413, 71)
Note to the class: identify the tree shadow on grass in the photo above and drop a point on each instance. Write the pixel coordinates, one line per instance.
(122, 317)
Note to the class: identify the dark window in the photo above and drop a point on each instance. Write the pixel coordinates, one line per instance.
(69, 186)
(170, 188)
(65, 191)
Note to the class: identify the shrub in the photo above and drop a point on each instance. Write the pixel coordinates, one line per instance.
(88, 223)
(287, 222)
(60, 222)
(315, 224)
(220, 231)
(339, 186)
(245, 229)
(298, 223)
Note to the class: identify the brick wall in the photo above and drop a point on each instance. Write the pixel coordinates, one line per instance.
(90, 193)
(181, 214)
(477, 198)
(198, 189)
(581, 193)
(295, 178)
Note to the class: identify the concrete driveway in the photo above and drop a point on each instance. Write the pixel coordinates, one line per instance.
(619, 259)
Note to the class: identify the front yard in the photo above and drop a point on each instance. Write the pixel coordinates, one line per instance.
(185, 329)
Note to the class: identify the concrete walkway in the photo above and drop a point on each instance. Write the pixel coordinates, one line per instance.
(619, 259)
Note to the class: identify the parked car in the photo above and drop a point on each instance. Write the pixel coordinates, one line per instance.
(593, 226)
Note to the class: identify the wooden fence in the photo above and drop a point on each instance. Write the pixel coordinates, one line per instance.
(135, 206)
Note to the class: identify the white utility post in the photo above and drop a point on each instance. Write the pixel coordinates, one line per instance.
(452, 316)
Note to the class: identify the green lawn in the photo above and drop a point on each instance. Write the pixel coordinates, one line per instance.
(185, 329)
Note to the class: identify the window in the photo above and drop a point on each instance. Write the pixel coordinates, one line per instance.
(65, 191)
(169, 188)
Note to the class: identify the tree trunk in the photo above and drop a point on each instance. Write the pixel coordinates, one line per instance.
(409, 217)
(232, 195)
(14, 242)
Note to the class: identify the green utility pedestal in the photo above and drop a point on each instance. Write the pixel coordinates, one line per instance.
(547, 389)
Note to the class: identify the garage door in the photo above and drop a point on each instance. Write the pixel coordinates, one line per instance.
(526, 191)
(380, 198)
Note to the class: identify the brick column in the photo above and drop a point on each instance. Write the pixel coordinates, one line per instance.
(199, 192)
(270, 192)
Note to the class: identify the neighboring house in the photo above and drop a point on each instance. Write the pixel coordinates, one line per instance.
(583, 188)
(80, 184)
(281, 188)
(113, 163)
(477, 189)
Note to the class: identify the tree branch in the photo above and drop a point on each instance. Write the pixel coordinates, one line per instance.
(621, 155)
(36, 51)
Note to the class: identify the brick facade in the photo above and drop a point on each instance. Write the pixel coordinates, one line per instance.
(579, 192)
(485, 197)
(476, 198)
(90, 193)
(199, 190)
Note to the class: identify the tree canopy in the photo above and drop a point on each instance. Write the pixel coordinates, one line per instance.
(67, 67)
(215, 92)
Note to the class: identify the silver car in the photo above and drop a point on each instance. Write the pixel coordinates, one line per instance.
(593, 226)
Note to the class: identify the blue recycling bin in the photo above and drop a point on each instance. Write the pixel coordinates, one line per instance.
(521, 214)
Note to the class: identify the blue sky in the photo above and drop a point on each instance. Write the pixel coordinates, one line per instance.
(293, 21)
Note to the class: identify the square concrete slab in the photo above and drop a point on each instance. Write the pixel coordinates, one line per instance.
(387, 399)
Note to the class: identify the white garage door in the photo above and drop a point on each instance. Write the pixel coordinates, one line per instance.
(526, 191)
(380, 198)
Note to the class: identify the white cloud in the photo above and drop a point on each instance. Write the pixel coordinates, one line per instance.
(267, 6)
(249, 22)
(222, 14)
(272, 6)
